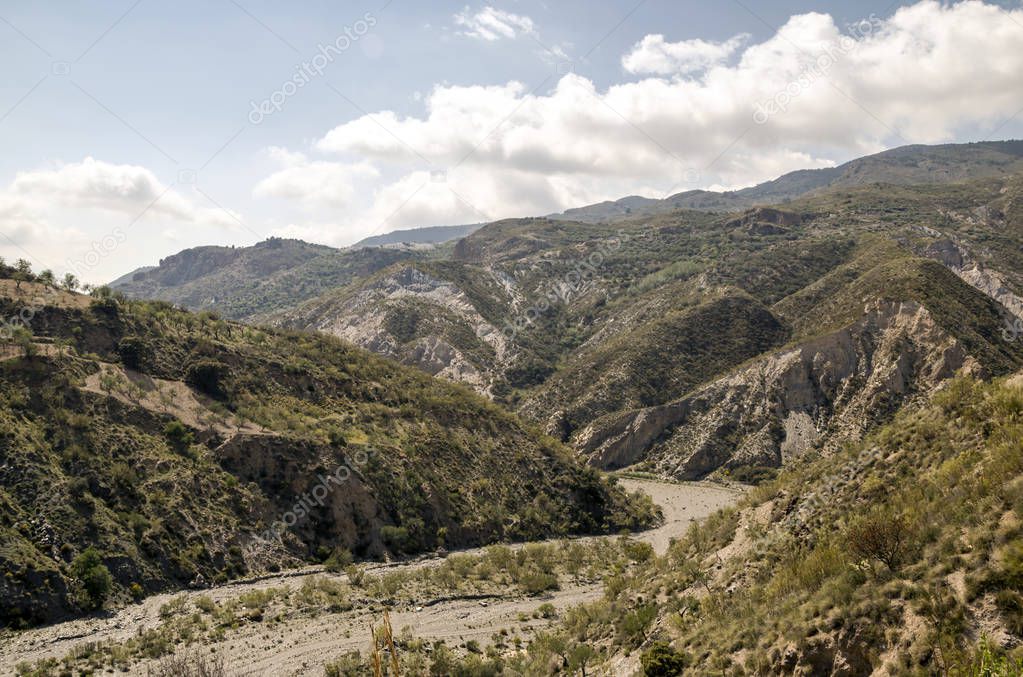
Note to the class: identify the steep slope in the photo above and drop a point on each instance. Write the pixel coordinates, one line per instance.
(900, 554)
(614, 336)
(245, 283)
(188, 449)
(671, 353)
(924, 326)
(658, 340)
(413, 313)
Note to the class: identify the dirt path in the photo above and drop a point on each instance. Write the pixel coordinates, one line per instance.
(300, 646)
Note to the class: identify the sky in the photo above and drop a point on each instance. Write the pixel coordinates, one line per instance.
(133, 129)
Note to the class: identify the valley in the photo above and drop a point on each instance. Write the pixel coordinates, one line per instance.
(768, 431)
(300, 641)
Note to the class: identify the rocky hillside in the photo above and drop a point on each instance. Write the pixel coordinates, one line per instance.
(693, 342)
(245, 283)
(898, 555)
(172, 449)
(698, 342)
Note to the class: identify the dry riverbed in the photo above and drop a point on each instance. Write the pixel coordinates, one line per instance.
(298, 644)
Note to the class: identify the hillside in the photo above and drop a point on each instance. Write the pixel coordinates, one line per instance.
(185, 449)
(244, 283)
(696, 342)
(906, 165)
(900, 554)
(428, 235)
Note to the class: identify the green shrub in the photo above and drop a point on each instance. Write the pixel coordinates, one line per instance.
(179, 436)
(660, 660)
(632, 626)
(338, 560)
(395, 538)
(546, 610)
(93, 577)
(536, 582)
(135, 352)
(1010, 604)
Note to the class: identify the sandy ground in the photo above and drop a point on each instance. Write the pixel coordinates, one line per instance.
(301, 646)
(682, 504)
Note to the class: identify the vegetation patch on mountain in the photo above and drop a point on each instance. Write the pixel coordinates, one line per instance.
(227, 449)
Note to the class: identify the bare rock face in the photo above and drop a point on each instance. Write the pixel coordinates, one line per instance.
(954, 256)
(820, 392)
(365, 317)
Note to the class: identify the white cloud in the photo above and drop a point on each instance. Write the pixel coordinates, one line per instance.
(653, 54)
(491, 24)
(22, 223)
(72, 217)
(126, 189)
(837, 92)
(313, 182)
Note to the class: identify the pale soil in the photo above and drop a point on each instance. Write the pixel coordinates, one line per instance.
(682, 504)
(300, 646)
(35, 294)
(164, 397)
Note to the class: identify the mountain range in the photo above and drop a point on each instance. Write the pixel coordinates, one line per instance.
(836, 354)
(704, 334)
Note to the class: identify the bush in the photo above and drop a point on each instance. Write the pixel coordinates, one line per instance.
(882, 536)
(191, 664)
(179, 436)
(534, 583)
(633, 626)
(660, 660)
(1010, 604)
(338, 560)
(94, 578)
(396, 538)
(135, 352)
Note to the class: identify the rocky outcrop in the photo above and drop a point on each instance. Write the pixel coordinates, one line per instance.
(765, 221)
(460, 345)
(954, 255)
(815, 394)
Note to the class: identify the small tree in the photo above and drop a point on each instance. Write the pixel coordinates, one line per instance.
(579, 657)
(22, 337)
(94, 578)
(208, 376)
(135, 352)
(47, 277)
(70, 282)
(22, 273)
(338, 560)
(881, 536)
